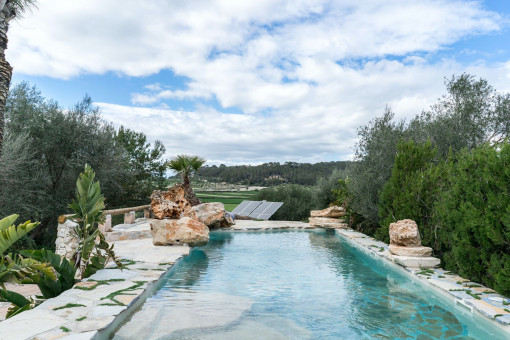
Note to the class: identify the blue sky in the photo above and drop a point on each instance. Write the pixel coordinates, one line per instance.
(240, 82)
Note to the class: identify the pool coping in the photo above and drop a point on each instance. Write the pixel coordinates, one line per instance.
(372, 246)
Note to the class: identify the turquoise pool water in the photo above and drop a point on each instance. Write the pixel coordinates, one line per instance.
(294, 285)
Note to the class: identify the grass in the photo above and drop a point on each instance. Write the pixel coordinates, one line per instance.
(99, 282)
(65, 329)
(230, 199)
(126, 291)
(81, 319)
(69, 305)
(427, 272)
(476, 296)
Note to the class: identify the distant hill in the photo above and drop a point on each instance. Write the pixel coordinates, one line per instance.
(270, 174)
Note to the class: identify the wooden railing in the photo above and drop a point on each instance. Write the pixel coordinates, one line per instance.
(129, 216)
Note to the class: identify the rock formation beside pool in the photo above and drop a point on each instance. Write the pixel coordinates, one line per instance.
(328, 218)
(171, 203)
(177, 221)
(179, 231)
(405, 233)
(212, 215)
(405, 246)
(331, 212)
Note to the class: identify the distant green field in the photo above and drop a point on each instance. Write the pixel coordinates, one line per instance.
(230, 199)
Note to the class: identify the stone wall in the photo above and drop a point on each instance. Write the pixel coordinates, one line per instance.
(67, 242)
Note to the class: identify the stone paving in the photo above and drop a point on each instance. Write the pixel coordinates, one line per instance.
(94, 303)
(102, 299)
(470, 294)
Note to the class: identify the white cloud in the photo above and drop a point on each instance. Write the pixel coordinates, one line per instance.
(321, 68)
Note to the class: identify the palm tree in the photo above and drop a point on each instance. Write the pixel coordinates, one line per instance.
(9, 9)
(186, 166)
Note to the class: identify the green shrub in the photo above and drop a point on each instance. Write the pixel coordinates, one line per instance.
(297, 201)
(412, 190)
(474, 214)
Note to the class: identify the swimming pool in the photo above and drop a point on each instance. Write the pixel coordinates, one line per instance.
(294, 285)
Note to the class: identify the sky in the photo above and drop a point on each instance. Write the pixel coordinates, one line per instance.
(246, 82)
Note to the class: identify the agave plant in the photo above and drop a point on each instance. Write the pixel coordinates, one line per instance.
(93, 251)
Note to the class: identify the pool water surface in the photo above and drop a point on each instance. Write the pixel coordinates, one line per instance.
(294, 285)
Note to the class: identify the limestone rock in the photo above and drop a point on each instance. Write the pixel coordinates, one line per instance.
(171, 203)
(415, 262)
(333, 211)
(67, 240)
(413, 251)
(405, 233)
(177, 232)
(212, 215)
(325, 222)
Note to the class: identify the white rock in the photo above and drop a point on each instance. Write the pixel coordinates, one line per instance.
(416, 262)
(182, 231)
(333, 211)
(411, 251)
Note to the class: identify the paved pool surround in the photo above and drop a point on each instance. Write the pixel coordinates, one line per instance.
(94, 308)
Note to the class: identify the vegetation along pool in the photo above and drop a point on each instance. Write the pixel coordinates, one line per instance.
(294, 285)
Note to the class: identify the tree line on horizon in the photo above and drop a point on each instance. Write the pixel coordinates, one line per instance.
(271, 174)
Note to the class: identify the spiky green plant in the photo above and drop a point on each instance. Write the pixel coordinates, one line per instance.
(65, 272)
(15, 268)
(186, 166)
(93, 252)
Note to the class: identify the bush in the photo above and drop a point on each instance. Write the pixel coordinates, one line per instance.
(375, 153)
(297, 201)
(474, 216)
(470, 114)
(327, 188)
(412, 190)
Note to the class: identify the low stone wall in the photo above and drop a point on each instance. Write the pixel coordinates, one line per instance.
(67, 242)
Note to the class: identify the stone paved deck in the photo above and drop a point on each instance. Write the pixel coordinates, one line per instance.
(97, 301)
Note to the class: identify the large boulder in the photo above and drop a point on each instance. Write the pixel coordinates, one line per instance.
(179, 231)
(332, 212)
(405, 233)
(171, 203)
(212, 215)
